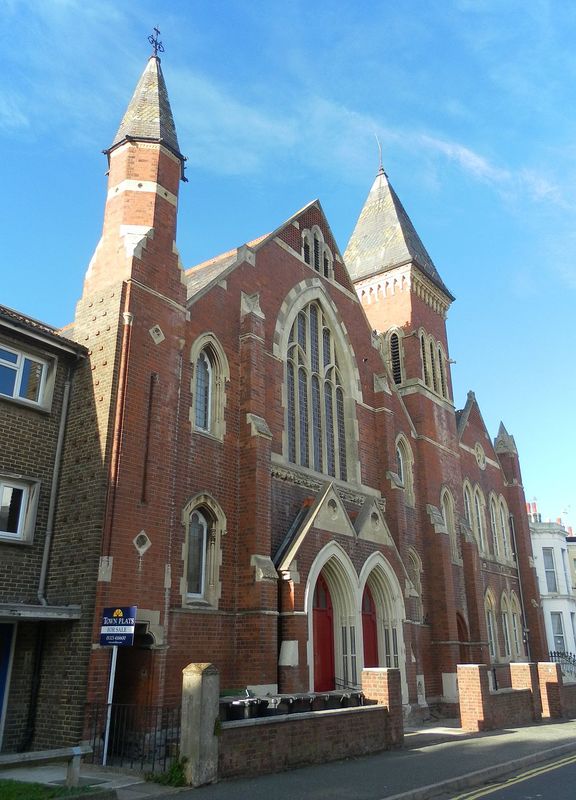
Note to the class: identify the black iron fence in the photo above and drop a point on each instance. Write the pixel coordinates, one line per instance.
(145, 738)
(567, 663)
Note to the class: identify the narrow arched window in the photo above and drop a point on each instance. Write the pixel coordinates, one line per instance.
(433, 367)
(404, 469)
(196, 566)
(447, 508)
(316, 423)
(517, 628)
(424, 361)
(505, 529)
(505, 620)
(306, 250)
(494, 527)
(442, 371)
(203, 392)
(395, 358)
(489, 607)
(210, 374)
(316, 253)
(326, 265)
(468, 507)
(400, 464)
(480, 525)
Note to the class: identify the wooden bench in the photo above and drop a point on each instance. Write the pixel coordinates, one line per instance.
(73, 755)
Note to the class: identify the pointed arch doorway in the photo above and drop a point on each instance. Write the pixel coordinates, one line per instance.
(369, 629)
(323, 637)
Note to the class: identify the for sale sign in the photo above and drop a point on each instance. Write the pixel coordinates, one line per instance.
(118, 623)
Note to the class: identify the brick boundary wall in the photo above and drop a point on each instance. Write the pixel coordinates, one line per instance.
(383, 686)
(260, 746)
(569, 700)
(537, 692)
(550, 682)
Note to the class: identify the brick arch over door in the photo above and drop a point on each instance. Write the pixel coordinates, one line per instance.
(346, 590)
(333, 567)
(378, 576)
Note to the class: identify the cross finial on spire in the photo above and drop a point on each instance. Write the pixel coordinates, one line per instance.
(380, 165)
(156, 43)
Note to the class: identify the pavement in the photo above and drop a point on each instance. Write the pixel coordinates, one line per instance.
(436, 760)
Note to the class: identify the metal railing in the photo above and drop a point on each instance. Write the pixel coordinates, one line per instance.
(567, 663)
(145, 738)
(340, 685)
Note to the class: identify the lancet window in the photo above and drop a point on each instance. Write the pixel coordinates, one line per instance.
(316, 419)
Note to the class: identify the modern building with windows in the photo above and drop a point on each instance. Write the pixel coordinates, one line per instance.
(45, 592)
(282, 483)
(552, 556)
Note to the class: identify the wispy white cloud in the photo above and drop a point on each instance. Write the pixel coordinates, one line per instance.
(12, 114)
(471, 162)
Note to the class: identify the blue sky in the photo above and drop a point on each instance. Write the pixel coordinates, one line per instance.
(277, 103)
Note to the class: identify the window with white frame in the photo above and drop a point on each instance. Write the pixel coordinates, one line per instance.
(210, 373)
(316, 425)
(203, 396)
(18, 503)
(22, 376)
(203, 522)
(550, 570)
(558, 631)
(564, 556)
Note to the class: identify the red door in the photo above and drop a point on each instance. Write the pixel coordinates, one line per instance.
(323, 638)
(369, 629)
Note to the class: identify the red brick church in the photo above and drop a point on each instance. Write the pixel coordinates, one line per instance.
(285, 487)
(266, 451)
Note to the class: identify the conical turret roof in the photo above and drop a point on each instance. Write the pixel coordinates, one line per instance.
(149, 116)
(385, 238)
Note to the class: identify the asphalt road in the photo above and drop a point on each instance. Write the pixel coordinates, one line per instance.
(552, 781)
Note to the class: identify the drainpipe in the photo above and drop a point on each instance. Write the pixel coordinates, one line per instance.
(41, 594)
(54, 488)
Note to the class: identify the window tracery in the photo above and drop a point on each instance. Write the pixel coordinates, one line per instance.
(316, 425)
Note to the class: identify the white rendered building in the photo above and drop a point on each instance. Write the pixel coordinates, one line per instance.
(552, 557)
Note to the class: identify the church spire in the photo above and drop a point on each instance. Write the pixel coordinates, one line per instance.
(148, 117)
(385, 238)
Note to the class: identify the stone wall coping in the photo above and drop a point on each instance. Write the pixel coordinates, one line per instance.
(294, 717)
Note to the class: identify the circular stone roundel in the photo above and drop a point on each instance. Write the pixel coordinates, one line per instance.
(480, 455)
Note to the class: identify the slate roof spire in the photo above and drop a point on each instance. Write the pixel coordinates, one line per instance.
(149, 117)
(385, 238)
(504, 442)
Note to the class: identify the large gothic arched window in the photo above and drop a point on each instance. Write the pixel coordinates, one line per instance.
(315, 394)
